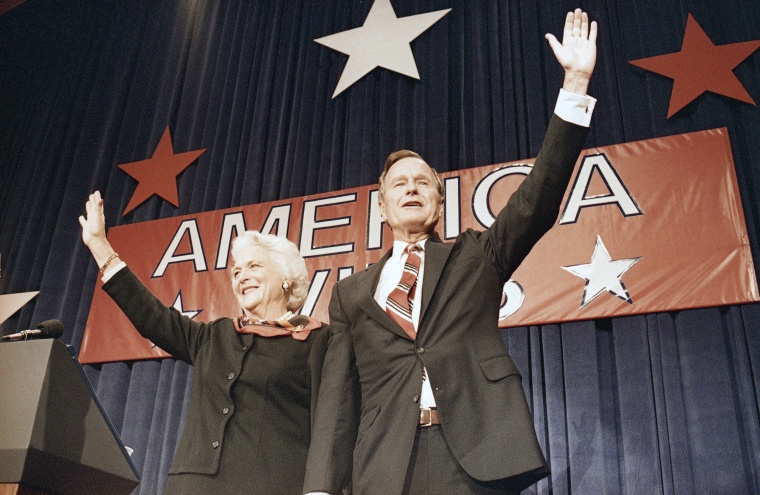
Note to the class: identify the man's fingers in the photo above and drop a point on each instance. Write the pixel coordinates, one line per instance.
(577, 22)
(568, 29)
(584, 25)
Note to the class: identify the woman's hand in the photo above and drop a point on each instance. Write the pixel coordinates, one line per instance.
(93, 224)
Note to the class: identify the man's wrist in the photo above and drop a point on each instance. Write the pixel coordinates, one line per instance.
(576, 82)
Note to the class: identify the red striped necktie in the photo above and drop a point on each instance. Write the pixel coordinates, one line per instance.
(399, 304)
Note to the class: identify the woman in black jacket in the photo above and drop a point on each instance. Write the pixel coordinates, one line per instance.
(255, 376)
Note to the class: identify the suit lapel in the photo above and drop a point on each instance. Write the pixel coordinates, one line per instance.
(436, 255)
(367, 285)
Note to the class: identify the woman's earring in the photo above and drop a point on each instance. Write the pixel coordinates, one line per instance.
(285, 286)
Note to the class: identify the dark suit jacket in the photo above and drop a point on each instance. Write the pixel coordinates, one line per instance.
(371, 381)
(249, 421)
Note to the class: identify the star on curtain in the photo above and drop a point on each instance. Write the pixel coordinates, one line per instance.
(158, 174)
(603, 274)
(383, 41)
(701, 66)
(10, 303)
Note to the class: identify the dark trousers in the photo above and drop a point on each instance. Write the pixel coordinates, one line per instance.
(433, 470)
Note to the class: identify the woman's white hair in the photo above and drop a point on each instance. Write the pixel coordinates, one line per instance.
(287, 259)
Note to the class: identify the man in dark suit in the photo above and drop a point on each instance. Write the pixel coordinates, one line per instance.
(419, 395)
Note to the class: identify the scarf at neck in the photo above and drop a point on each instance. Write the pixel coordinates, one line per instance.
(298, 326)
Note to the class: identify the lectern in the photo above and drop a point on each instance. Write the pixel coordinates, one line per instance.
(55, 437)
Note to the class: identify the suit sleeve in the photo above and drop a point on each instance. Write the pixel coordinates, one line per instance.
(329, 465)
(534, 207)
(316, 362)
(166, 327)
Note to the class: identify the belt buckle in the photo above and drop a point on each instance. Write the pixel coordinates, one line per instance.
(426, 422)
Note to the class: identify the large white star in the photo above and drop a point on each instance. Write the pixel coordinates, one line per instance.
(603, 274)
(383, 41)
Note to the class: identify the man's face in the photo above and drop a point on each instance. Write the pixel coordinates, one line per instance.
(411, 204)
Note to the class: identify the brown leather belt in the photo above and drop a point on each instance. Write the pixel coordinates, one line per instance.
(429, 417)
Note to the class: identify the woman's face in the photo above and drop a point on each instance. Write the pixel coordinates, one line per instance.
(258, 285)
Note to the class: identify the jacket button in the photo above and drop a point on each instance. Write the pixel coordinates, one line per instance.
(245, 348)
(226, 410)
(231, 376)
(416, 398)
(215, 445)
(420, 350)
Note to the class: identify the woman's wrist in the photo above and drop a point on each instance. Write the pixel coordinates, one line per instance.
(102, 252)
(112, 258)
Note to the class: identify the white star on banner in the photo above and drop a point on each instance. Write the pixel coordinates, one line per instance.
(177, 304)
(603, 274)
(383, 41)
(190, 313)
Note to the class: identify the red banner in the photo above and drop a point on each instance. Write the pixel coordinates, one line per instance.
(649, 226)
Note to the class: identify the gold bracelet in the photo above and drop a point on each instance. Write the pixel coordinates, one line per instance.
(108, 262)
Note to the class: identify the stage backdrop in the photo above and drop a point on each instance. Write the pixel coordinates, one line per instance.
(646, 199)
(260, 114)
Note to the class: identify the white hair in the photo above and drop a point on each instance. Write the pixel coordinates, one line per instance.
(287, 260)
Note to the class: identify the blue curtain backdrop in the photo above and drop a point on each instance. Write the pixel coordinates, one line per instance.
(662, 403)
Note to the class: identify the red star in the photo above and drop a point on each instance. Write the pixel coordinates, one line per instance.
(158, 174)
(701, 66)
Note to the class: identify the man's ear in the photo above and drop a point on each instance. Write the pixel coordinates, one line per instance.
(381, 206)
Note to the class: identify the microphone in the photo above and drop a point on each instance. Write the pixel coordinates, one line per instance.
(50, 329)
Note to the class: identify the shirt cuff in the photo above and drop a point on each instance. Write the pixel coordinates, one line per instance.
(575, 108)
(112, 271)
